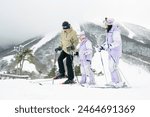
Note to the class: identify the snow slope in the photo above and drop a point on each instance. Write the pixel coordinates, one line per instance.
(131, 34)
(45, 39)
(8, 58)
(137, 78)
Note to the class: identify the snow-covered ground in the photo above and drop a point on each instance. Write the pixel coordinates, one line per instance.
(138, 79)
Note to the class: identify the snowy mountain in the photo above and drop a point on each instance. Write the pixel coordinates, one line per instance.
(136, 45)
(26, 44)
(137, 48)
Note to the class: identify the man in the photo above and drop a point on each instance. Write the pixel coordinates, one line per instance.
(68, 44)
(113, 45)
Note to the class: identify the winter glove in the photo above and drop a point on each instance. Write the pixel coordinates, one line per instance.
(76, 54)
(58, 49)
(101, 48)
(109, 47)
(70, 48)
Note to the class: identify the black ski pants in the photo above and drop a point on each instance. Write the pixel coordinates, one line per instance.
(69, 60)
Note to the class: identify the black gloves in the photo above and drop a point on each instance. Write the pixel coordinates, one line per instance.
(101, 48)
(76, 54)
(58, 49)
(70, 48)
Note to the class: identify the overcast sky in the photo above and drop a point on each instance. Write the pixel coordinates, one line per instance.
(24, 19)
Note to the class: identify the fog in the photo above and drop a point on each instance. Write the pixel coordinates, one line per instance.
(24, 19)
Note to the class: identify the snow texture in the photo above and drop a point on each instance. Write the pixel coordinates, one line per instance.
(131, 34)
(135, 77)
(29, 67)
(45, 39)
(8, 58)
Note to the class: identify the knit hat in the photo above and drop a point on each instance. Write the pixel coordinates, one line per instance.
(65, 25)
(110, 21)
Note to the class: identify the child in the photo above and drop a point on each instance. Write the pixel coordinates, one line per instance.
(85, 57)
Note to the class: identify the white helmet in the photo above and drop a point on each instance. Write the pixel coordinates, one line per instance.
(110, 21)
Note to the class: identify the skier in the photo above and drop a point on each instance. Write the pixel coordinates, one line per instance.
(68, 44)
(113, 45)
(85, 57)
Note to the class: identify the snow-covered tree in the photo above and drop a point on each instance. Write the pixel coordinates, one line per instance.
(26, 54)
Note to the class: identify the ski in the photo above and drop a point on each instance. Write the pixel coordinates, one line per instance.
(109, 87)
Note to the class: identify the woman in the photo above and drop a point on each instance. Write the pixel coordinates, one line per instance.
(113, 45)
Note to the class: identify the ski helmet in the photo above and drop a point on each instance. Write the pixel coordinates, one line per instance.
(65, 25)
(110, 21)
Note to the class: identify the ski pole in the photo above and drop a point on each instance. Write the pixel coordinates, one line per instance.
(103, 68)
(117, 68)
(54, 66)
(120, 71)
(124, 77)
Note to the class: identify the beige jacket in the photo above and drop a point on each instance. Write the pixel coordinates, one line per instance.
(68, 39)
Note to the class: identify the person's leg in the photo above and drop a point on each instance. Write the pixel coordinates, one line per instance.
(83, 78)
(113, 64)
(69, 65)
(89, 72)
(60, 63)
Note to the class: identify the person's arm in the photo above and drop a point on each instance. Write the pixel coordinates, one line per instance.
(104, 46)
(88, 48)
(60, 44)
(75, 40)
(61, 36)
(116, 40)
